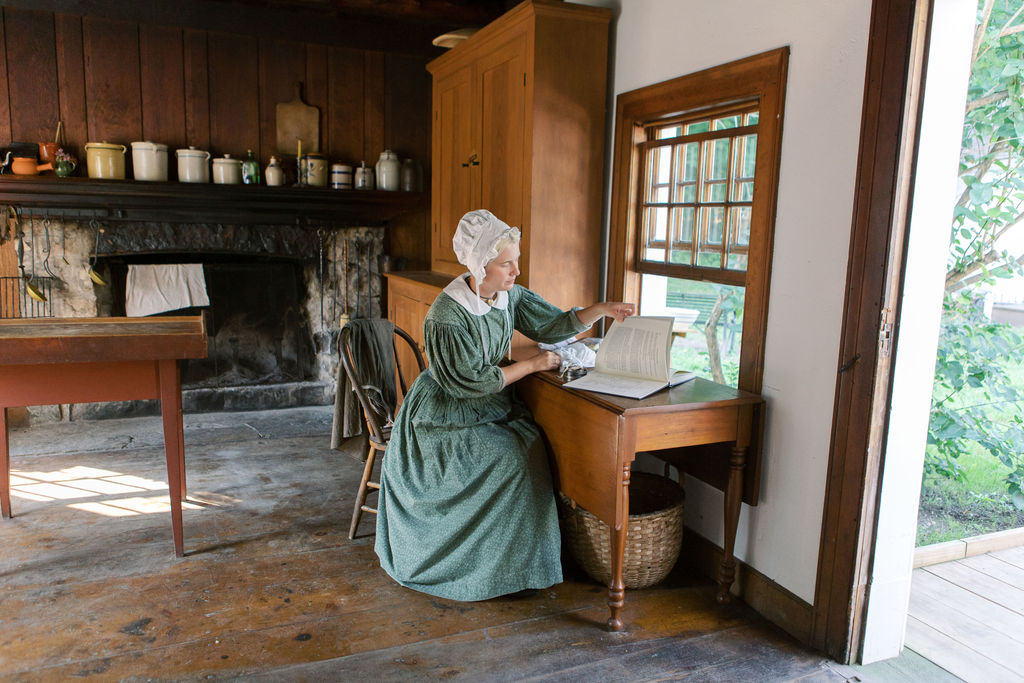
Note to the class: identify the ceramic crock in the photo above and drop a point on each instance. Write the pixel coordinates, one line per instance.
(149, 161)
(341, 176)
(193, 165)
(105, 160)
(314, 168)
(227, 171)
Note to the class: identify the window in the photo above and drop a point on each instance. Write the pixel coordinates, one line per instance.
(693, 210)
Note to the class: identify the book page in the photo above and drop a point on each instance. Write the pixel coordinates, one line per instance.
(619, 385)
(637, 347)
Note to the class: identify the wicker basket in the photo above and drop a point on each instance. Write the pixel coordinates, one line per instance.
(652, 540)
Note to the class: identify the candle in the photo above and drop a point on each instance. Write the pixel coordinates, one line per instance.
(299, 153)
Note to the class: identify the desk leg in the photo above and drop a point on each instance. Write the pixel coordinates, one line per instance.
(617, 588)
(733, 498)
(174, 444)
(5, 467)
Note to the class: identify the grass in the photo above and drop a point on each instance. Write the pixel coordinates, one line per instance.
(951, 509)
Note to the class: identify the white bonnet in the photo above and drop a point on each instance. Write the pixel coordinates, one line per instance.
(477, 238)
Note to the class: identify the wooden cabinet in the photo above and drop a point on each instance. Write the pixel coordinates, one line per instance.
(518, 129)
(409, 297)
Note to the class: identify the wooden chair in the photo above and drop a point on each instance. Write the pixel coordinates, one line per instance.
(378, 415)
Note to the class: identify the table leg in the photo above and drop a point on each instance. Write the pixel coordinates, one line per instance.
(733, 496)
(5, 467)
(617, 588)
(174, 443)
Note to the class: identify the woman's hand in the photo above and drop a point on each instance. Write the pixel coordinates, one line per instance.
(545, 360)
(612, 309)
(619, 310)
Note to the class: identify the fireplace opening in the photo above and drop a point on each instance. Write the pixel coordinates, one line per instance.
(259, 333)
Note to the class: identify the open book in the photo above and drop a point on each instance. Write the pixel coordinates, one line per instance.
(634, 360)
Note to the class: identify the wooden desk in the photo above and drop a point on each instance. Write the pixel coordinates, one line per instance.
(595, 437)
(82, 360)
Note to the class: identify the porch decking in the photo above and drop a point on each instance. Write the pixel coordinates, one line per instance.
(967, 616)
(271, 588)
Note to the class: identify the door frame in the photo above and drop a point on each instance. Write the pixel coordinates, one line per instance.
(894, 81)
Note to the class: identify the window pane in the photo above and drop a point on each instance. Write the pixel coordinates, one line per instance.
(752, 118)
(727, 122)
(699, 127)
(712, 230)
(714, 192)
(718, 164)
(743, 191)
(749, 145)
(659, 174)
(737, 262)
(668, 132)
(655, 229)
(682, 239)
(692, 303)
(740, 222)
(688, 159)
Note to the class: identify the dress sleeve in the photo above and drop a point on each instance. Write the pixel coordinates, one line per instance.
(457, 362)
(543, 322)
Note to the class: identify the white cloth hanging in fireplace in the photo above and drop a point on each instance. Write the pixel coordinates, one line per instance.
(153, 289)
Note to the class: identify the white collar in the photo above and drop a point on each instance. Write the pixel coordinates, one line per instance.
(459, 290)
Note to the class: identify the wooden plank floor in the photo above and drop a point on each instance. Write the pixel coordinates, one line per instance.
(967, 616)
(271, 588)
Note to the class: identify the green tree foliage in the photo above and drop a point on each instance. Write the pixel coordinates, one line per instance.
(974, 400)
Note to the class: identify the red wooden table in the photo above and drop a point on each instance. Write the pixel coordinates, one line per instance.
(82, 360)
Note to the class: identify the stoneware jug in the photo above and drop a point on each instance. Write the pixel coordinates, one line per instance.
(388, 171)
(193, 165)
(149, 161)
(274, 173)
(105, 160)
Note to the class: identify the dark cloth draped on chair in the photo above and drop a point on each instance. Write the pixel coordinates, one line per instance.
(372, 350)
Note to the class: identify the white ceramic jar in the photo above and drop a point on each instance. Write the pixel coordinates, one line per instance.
(193, 165)
(341, 176)
(105, 160)
(149, 161)
(389, 170)
(227, 171)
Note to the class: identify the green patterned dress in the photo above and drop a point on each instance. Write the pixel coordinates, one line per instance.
(466, 508)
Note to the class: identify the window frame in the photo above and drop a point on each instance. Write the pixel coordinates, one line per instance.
(760, 78)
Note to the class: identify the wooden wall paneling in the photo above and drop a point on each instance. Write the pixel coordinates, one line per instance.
(374, 106)
(234, 102)
(162, 72)
(71, 82)
(282, 64)
(345, 112)
(197, 89)
(113, 105)
(407, 133)
(316, 92)
(31, 75)
(5, 103)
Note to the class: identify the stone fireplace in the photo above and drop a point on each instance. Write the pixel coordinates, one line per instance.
(279, 296)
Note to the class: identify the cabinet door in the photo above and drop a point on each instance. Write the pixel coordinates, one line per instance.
(501, 102)
(408, 313)
(453, 146)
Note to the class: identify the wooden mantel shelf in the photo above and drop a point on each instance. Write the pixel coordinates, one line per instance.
(201, 202)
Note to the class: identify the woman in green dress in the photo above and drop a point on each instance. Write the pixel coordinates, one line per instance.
(466, 508)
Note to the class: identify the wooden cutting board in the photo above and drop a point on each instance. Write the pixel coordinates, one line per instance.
(296, 121)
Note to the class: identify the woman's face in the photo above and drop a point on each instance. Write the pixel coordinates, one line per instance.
(500, 274)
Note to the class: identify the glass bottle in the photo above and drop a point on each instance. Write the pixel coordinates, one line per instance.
(251, 170)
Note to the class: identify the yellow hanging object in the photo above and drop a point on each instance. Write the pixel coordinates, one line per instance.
(96, 277)
(35, 292)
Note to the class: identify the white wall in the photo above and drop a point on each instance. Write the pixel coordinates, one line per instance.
(942, 120)
(656, 40)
